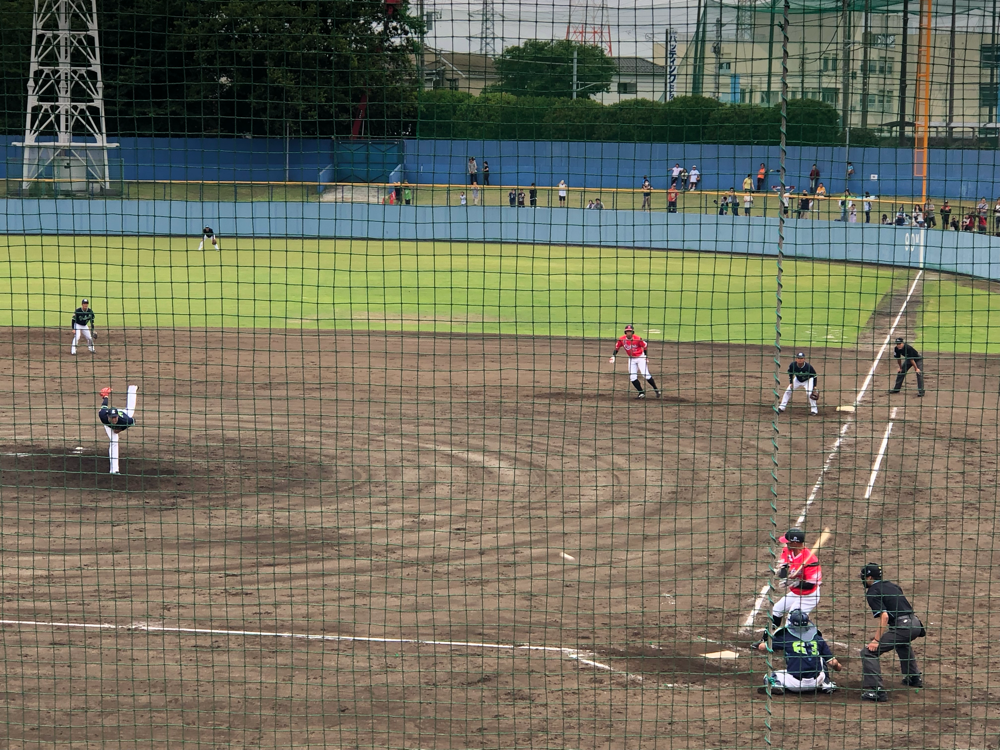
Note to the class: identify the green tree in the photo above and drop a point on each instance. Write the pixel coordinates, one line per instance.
(743, 124)
(813, 123)
(437, 113)
(545, 68)
(689, 117)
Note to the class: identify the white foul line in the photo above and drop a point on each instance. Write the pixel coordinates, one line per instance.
(581, 657)
(748, 622)
(881, 454)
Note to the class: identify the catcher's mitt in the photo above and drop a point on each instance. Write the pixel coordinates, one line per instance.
(815, 395)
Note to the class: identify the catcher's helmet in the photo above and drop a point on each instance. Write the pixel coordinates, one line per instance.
(899, 340)
(797, 618)
(872, 569)
(630, 327)
(793, 535)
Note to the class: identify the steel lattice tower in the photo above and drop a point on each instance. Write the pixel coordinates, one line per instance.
(588, 23)
(488, 29)
(65, 135)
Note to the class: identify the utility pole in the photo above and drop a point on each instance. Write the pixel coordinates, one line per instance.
(993, 66)
(902, 73)
(951, 71)
(717, 49)
(845, 66)
(865, 61)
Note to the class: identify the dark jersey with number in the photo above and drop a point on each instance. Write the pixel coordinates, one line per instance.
(804, 652)
(885, 596)
(83, 317)
(802, 373)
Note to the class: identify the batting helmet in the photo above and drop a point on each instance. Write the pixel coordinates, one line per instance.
(793, 535)
(872, 569)
(797, 618)
(629, 327)
(85, 302)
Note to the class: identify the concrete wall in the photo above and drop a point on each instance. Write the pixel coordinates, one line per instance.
(958, 252)
(954, 174)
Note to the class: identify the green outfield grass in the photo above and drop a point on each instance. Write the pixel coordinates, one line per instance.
(466, 287)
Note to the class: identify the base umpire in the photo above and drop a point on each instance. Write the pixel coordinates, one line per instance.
(908, 357)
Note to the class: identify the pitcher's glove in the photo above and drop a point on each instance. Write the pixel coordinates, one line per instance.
(815, 395)
(105, 392)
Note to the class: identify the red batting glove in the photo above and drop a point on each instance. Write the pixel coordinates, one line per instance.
(105, 392)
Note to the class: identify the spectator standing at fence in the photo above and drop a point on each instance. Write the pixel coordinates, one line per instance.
(761, 176)
(675, 175)
(747, 202)
(520, 198)
(562, 193)
(982, 207)
(786, 203)
(747, 183)
(672, 194)
(929, 217)
(407, 194)
(852, 212)
(734, 202)
(946, 215)
(598, 205)
(868, 208)
(918, 215)
(475, 195)
(473, 171)
(486, 173)
(684, 178)
(462, 199)
(512, 197)
(533, 196)
(590, 204)
(694, 177)
(723, 203)
(813, 178)
(647, 194)
(996, 217)
(804, 204)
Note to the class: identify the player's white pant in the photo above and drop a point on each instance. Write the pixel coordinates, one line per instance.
(796, 384)
(806, 602)
(793, 684)
(637, 366)
(206, 238)
(79, 330)
(113, 450)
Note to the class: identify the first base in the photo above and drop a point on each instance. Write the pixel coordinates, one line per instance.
(846, 407)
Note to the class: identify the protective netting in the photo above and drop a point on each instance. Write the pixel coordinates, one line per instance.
(398, 374)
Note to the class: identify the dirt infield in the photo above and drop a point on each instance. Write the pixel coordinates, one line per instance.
(499, 546)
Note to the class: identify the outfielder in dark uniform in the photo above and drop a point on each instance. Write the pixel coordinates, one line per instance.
(807, 657)
(801, 374)
(908, 357)
(208, 234)
(83, 324)
(116, 421)
(897, 628)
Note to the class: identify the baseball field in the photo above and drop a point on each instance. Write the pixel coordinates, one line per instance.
(394, 495)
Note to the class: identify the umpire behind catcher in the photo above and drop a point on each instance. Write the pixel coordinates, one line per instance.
(908, 357)
(897, 628)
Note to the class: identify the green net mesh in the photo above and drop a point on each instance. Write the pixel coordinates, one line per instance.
(498, 375)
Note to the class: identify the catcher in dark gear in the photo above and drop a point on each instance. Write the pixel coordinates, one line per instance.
(807, 657)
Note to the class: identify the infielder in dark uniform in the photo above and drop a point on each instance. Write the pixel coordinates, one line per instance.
(83, 324)
(801, 374)
(908, 357)
(116, 421)
(806, 654)
(897, 628)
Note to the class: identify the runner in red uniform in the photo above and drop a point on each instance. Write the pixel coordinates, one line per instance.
(635, 348)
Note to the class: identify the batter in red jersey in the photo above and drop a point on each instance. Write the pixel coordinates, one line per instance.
(799, 572)
(635, 348)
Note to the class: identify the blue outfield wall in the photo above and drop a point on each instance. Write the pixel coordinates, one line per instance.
(954, 174)
(956, 252)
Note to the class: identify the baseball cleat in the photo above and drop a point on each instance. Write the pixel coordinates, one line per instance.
(775, 690)
(659, 395)
(814, 413)
(892, 391)
(915, 682)
(781, 411)
(640, 394)
(875, 696)
(828, 687)
(921, 394)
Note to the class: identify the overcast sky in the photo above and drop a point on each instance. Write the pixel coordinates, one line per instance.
(634, 23)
